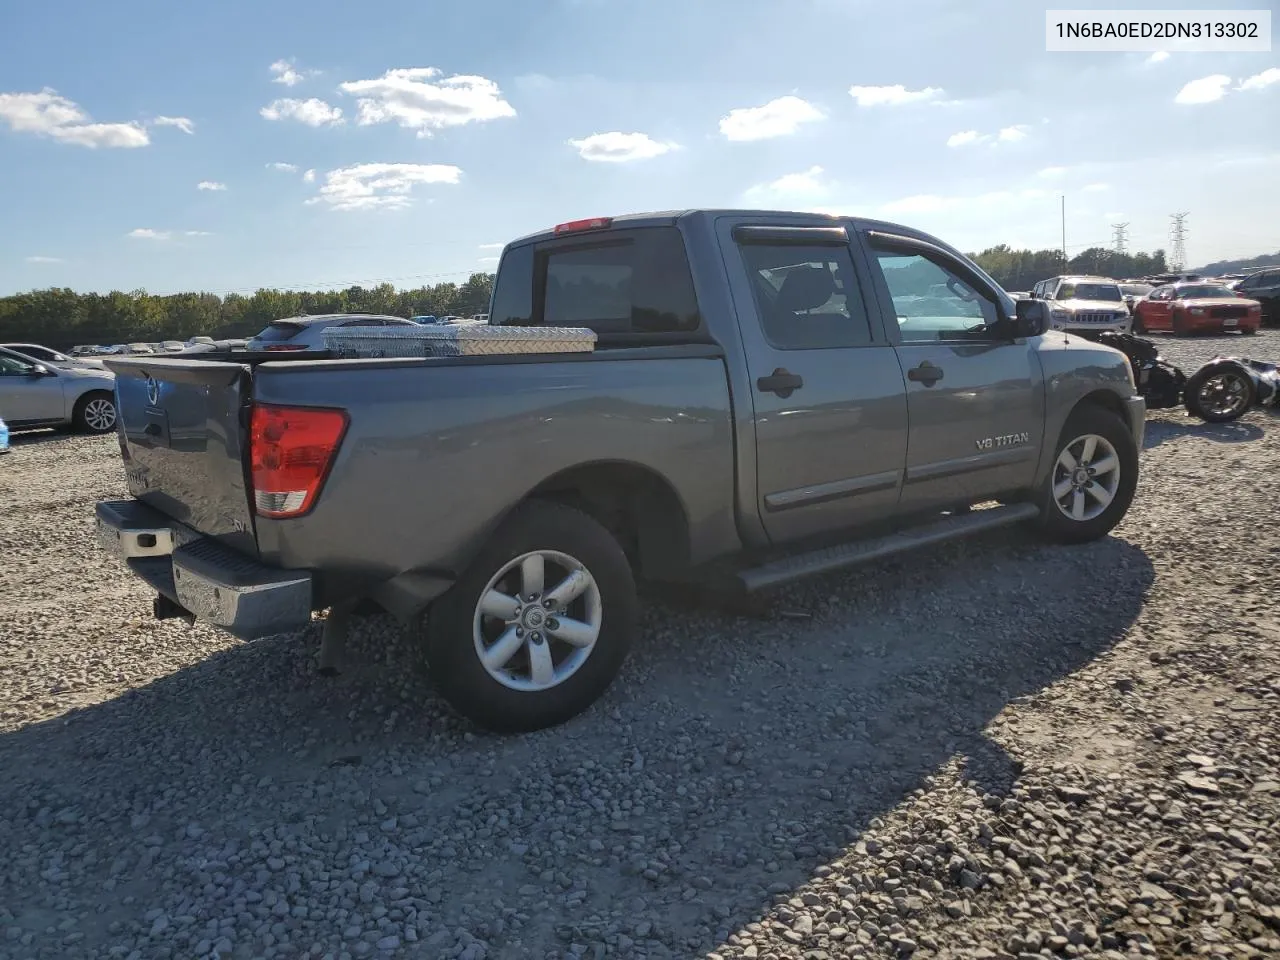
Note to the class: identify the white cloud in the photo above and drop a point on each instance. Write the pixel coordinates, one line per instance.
(1160, 56)
(492, 246)
(1014, 133)
(777, 118)
(930, 203)
(615, 147)
(40, 259)
(965, 137)
(1261, 80)
(1052, 172)
(415, 99)
(488, 260)
(210, 185)
(1204, 90)
(366, 186)
(285, 73)
(891, 96)
(47, 114)
(309, 177)
(313, 112)
(283, 167)
(196, 233)
(182, 123)
(1095, 187)
(807, 185)
(146, 233)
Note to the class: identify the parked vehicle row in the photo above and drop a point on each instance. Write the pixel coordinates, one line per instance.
(770, 396)
(36, 394)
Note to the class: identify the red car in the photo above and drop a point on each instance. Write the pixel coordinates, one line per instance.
(1188, 308)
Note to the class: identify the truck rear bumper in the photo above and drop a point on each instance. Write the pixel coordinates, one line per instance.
(211, 582)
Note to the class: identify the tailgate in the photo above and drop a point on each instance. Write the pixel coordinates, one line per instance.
(184, 440)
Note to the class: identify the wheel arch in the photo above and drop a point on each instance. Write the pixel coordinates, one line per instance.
(635, 503)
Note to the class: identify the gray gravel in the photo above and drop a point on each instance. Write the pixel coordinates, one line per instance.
(994, 749)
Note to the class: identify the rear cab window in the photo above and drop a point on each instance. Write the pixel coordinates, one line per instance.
(631, 286)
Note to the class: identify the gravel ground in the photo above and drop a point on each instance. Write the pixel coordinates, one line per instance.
(994, 749)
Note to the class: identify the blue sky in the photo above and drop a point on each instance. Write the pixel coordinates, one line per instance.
(435, 130)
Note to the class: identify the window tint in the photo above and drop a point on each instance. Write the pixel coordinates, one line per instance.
(512, 300)
(628, 285)
(932, 302)
(807, 296)
(277, 332)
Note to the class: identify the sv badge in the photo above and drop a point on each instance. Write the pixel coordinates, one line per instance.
(1008, 440)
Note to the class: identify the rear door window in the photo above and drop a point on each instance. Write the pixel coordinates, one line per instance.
(807, 297)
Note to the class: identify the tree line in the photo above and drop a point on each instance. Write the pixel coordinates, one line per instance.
(62, 318)
(1020, 270)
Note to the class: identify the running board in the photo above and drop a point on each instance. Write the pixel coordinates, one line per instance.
(850, 554)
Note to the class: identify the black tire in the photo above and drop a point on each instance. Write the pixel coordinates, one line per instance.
(89, 415)
(452, 648)
(1177, 328)
(1249, 331)
(1090, 420)
(1221, 402)
(1137, 328)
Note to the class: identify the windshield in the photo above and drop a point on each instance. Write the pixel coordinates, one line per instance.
(1204, 291)
(1089, 291)
(1135, 289)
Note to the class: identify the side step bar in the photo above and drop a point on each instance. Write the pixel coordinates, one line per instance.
(850, 554)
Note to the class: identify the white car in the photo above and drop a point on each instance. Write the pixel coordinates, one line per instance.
(47, 355)
(34, 394)
(1085, 304)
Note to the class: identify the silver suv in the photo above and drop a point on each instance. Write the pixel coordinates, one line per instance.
(1085, 304)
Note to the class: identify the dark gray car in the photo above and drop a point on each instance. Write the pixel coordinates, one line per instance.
(771, 395)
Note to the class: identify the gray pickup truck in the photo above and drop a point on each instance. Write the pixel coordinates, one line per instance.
(771, 395)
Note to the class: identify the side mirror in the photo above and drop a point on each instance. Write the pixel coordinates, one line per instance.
(39, 370)
(1031, 319)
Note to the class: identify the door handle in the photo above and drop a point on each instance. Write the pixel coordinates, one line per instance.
(782, 382)
(926, 373)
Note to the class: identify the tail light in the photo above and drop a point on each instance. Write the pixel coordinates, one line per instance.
(578, 226)
(290, 452)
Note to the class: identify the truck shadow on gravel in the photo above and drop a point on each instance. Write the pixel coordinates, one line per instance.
(731, 762)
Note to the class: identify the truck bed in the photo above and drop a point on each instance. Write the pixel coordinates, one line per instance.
(428, 449)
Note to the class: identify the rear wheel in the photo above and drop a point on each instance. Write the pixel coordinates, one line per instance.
(95, 413)
(1093, 478)
(1218, 394)
(538, 626)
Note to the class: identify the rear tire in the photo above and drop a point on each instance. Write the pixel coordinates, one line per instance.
(546, 658)
(1218, 393)
(1092, 480)
(95, 412)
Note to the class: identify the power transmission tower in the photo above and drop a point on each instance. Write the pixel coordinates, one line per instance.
(1120, 238)
(1178, 240)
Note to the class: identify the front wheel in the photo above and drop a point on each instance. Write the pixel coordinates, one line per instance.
(1218, 393)
(95, 413)
(538, 626)
(1093, 478)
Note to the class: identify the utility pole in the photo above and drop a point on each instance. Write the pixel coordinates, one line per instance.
(1178, 240)
(1064, 232)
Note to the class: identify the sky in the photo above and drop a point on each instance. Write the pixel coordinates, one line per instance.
(225, 147)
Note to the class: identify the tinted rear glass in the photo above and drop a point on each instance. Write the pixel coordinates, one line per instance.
(626, 285)
(278, 332)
